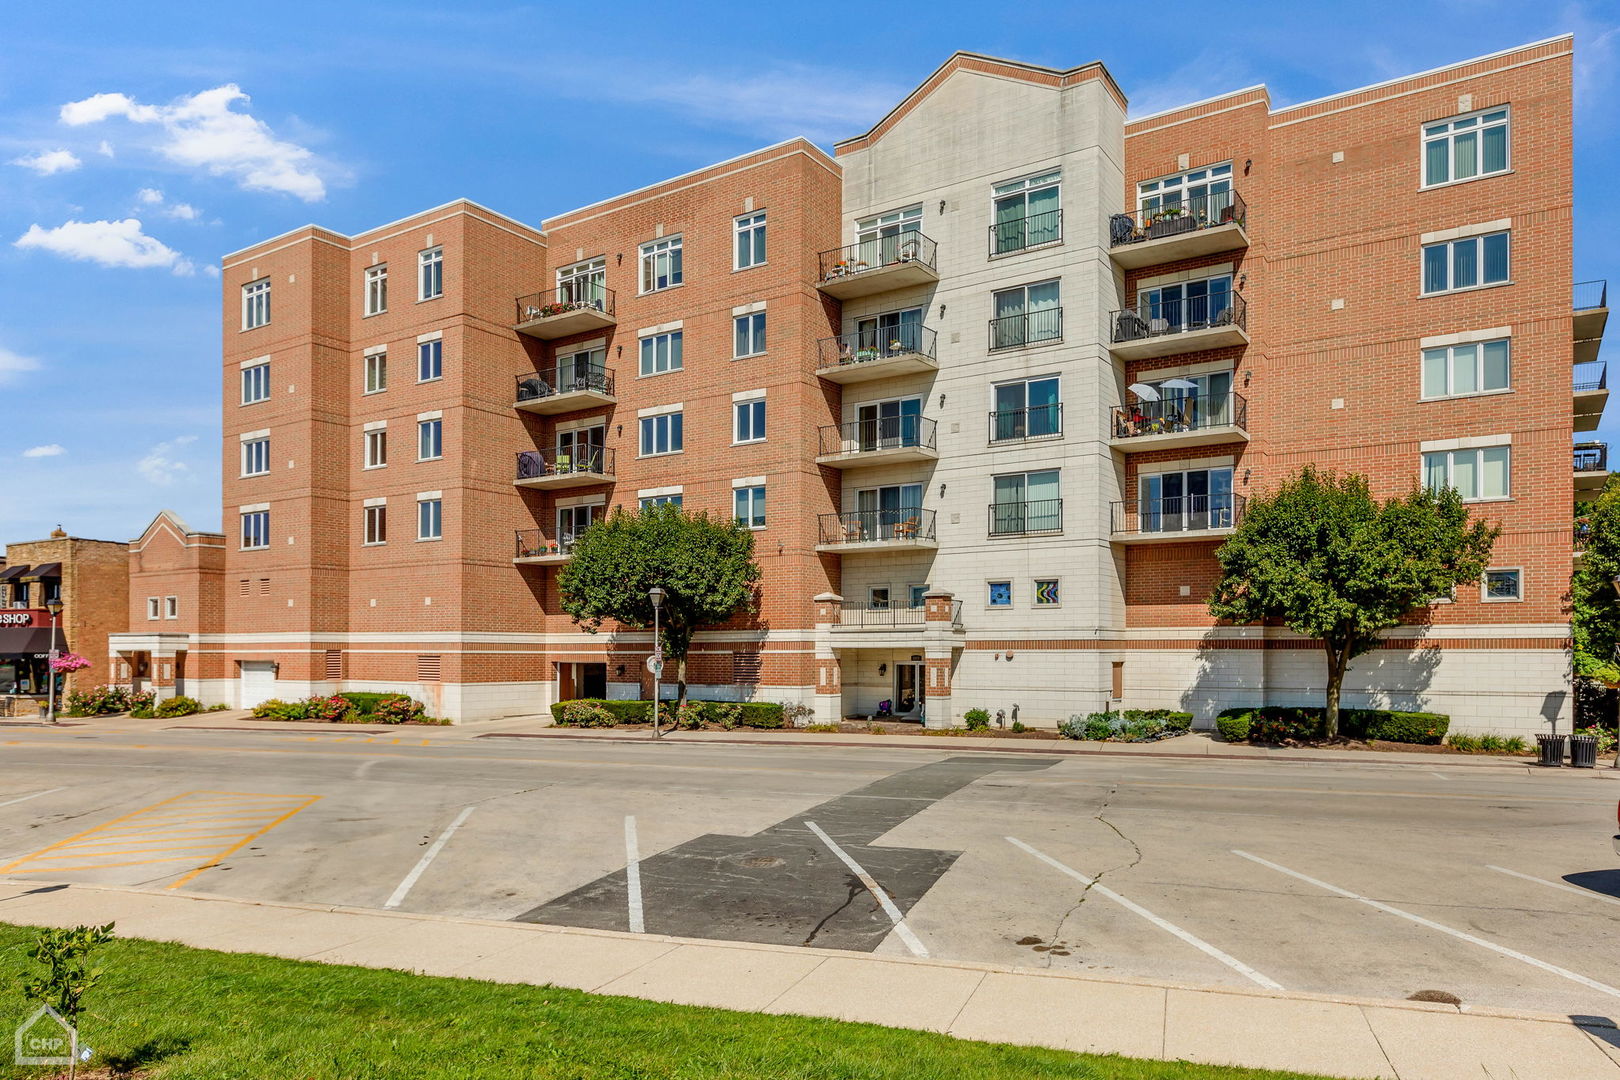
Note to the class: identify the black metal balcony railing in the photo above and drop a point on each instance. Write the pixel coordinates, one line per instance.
(878, 252)
(1592, 457)
(879, 433)
(892, 614)
(1590, 295)
(1034, 422)
(564, 380)
(566, 297)
(1149, 320)
(1200, 212)
(534, 464)
(871, 526)
(1196, 412)
(1030, 231)
(1589, 377)
(534, 543)
(1028, 328)
(864, 346)
(1179, 513)
(1026, 518)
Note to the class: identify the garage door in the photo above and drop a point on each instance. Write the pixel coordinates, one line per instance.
(258, 682)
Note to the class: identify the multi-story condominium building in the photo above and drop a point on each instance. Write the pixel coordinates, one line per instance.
(992, 383)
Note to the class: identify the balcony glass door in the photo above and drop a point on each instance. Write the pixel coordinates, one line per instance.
(585, 283)
(889, 334)
(1183, 501)
(885, 425)
(1190, 305)
(1207, 403)
(580, 450)
(571, 521)
(1027, 409)
(887, 513)
(882, 240)
(581, 370)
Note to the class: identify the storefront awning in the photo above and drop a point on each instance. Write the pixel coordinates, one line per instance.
(28, 641)
(12, 573)
(44, 570)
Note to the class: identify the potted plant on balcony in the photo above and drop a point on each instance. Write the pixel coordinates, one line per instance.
(896, 346)
(837, 270)
(551, 547)
(863, 355)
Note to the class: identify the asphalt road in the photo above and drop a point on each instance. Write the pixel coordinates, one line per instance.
(1499, 886)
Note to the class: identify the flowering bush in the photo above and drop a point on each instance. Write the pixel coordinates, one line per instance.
(398, 709)
(140, 705)
(68, 663)
(180, 705)
(97, 701)
(328, 709)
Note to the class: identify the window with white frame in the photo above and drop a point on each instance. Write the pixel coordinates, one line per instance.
(1197, 190)
(429, 439)
(430, 277)
(171, 607)
(376, 373)
(662, 434)
(376, 448)
(749, 505)
(748, 420)
(1479, 367)
(893, 223)
(750, 240)
(376, 289)
(1500, 585)
(749, 334)
(256, 456)
(255, 529)
(650, 502)
(429, 360)
(152, 611)
(256, 383)
(255, 303)
(430, 519)
(1468, 263)
(376, 524)
(1027, 213)
(1465, 147)
(1477, 473)
(583, 282)
(661, 353)
(661, 264)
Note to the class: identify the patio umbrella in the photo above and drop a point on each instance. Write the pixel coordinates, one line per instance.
(1143, 391)
(1178, 384)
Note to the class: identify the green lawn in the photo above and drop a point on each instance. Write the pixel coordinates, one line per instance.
(175, 1012)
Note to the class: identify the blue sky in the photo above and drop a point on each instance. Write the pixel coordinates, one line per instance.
(192, 129)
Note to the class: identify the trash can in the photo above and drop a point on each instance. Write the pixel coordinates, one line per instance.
(1583, 751)
(1552, 749)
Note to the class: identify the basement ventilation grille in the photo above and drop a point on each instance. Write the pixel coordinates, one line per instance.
(334, 665)
(745, 667)
(427, 669)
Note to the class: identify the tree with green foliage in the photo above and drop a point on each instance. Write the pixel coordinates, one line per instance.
(705, 566)
(1327, 560)
(1594, 621)
(68, 976)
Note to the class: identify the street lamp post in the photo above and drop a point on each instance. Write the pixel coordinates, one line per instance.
(55, 608)
(656, 595)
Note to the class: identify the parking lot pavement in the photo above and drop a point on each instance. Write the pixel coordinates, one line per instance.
(1351, 878)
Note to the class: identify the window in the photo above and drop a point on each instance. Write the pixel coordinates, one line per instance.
(891, 224)
(571, 521)
(749, 503)
(171, 607)
(376, 448)
(885, 425)
(255, 529)
(1182, 501)
(430, 519)
(1187, 403)
(661, 434)
(1499, 585)
(1186, 305)
(1026, 503)
(583, 283)
(917, 596)
(1027, 213)
(883, 239)
(376, 524)
(1205, 192)
(255, 303)
(1027, 409)
(151, 607)
(430, 360)
(376, 373)
(999, 593)
(749, 417)
(877, 598)
(652, 501)
(256, 383)
(750, 334)
(1477, 473)
(661, 264)
(581, 450)
(1476, 368)
(1027, 315)
(661, 353)
(431, 274)
(750, 247)
(256, 456)
(1465, 147)
(886, 513)
(429, 439)
(889, 334)
(1048, 592)
(376, 290)
(1465, 264)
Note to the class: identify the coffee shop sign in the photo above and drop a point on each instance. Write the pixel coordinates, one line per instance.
(17, 618)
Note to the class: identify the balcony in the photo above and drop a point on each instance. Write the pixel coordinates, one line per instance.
(900, 529)
(889, 617)
(1180, 326)
(1026, 233)
(564, 468)
(881, 441)
(1591, 394)
(1180, 518)
(1040, 517)
(1035, 423)
(535, 548)
(565, 389)
(879, 265)
(574, 308)
(1591, 469)
(1206, 225)
(877, 354)
(1582, 534)
(1591, 303)
(1043, 327)
(1198, 420)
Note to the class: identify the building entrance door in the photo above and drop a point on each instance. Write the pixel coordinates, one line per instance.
(908, 688)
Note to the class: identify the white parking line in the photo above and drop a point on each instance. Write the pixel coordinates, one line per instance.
(1163, 924)
(912, 941)
(1555, 885)
(432, 853)
(1421, 921)
(632, 877)
(35, 795)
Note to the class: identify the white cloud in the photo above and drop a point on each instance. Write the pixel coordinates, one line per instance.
(107, 243)
(105, 149)
(204, 131)
(181, 212)
(14, 364)
(149, 196)
(48, 450)
(162, 465)
(210, 270)
(49, 162)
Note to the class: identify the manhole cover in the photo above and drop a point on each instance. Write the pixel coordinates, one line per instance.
(761, 862)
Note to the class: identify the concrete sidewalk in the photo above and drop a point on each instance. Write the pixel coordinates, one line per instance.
(1309, 1033)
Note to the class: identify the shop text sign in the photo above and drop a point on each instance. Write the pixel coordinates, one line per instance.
(22, 618)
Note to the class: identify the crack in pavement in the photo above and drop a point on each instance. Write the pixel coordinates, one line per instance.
(1096, 879)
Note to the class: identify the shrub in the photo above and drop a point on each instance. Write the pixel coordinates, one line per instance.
(1283, 723)
(797, 714)
(725, 714)
(1100, 726)
(1073, 728)
(1468, 743)
(1233, 724)
(822, 727)
(276, 709)
(622, 712)
(397, 709)
(1140, 728)
(1420, 728)
(176, 706)
(1513, 744)
(330, 710)
(769, 714)
(583, 713)
(1491, 743)
(1605, 737)
(97, 701)
(691, 717)
(1018, 727)
(365, 702)
(140, 705)
(976, 719)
